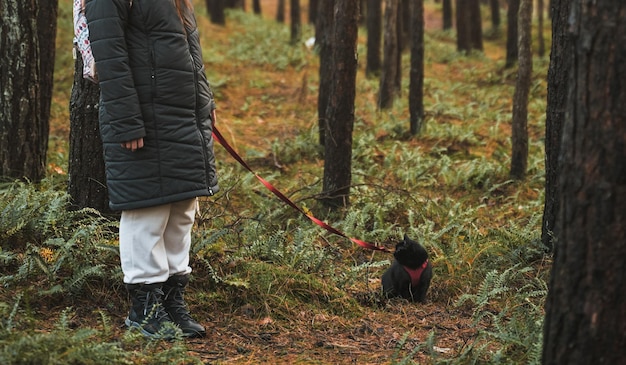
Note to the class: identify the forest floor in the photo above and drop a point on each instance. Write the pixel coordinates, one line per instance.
(236, 335)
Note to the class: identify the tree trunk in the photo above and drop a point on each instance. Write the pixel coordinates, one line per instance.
(586, 305)
(416, 85)
(374, 35)
(323, 39)
(511, 33)
(296, 23)
(362, 12)
(216, 11)
(463, 42)
(256, 7)
(234, 4)
(338, 147)
(313, 11)
(447, 14)
(542, 46)
(26, 78)
(519, 138)
(87, 180)
(280, 11)
(495, 14)
(475, 25)
(47, 30)
(401, 38)
(404, 23)
(555, 114)
(469, 26)
(388, 78)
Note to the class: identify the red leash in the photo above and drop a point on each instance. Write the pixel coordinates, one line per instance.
(218, 136)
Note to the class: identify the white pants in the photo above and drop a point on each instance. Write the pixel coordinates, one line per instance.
(155, 242)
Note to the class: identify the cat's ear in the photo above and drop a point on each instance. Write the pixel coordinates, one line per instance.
(406, 238)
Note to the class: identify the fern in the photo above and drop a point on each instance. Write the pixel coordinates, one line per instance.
(515, 316)
(61, 249)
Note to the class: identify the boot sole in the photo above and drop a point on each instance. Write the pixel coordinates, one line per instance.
(136, 325)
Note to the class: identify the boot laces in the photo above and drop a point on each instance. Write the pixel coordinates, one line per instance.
(152, 305)
(176, 303)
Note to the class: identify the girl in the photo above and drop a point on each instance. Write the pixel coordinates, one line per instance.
(156, 114)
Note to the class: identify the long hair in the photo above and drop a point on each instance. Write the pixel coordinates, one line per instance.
(185, 9)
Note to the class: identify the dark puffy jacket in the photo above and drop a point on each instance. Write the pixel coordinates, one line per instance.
(153, 85)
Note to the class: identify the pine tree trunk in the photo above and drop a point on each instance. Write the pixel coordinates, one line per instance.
(256, 7)
(323, 39)
(374, 36)
(387, 92)
(519, 138)
(447, 14)
(26, 77)
(586, 305)
(401, 39)
(296, 23)
(338, 147)
(313, 11)
(475, 25)
(87, 180)
(555, 114)
(542, 47)
(280, 11)
(495, 14)
(511, 33)
(416, 85)
(216, 11)
(463, 40)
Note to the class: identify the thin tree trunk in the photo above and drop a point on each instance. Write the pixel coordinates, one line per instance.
(555, 114)
(280, 11)
(416, 86)
(387, 92)
(519, 138)
(374, 35)
(313, 11)
(495, 14)
(475, 25)
(542, 46)
(324, 42)
(447, 14)
(296, 23)
(216, 11)
(511, 33)
(256, 7)
(463, 40)
(338, 147)
(401, 38)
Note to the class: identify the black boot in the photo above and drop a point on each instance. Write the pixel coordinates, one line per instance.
(174, 303)
(147, 313)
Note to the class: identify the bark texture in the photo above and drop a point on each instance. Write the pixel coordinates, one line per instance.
(387, 92)
(374, 36)
(324, 43)
(586, 306)
(519, 137)
(338, 147)
(87, 180)
(511, 33)
(27, 40)
(416, 83)
(555, 113)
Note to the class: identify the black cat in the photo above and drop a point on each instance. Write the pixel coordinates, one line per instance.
(410, 274)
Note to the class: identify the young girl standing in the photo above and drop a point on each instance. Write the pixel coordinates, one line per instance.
(156, 117)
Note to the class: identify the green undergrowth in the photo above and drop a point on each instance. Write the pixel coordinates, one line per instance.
(448, 188)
